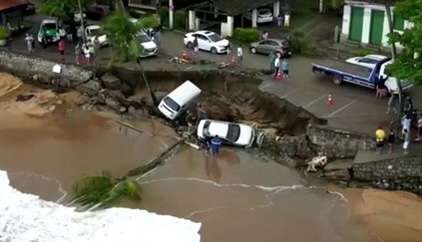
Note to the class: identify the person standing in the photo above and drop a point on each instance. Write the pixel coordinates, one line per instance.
(394, 95)
(240, 54)
(391, 140)
(215, 145)
(77, 53)
(61, 48)
(379, 137)
(277, 63)
(279, 20)
(195, 45)
(285, 69)
(157, 37)
(265, 35)
(406, 142)
(408, 107)
(29, 42)
(406, 124)
(419, 125)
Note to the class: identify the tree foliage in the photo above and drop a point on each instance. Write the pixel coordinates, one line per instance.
(122, 33)
(63, 9)
(408, 64)
(103, 191)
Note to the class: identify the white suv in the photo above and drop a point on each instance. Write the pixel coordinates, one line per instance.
(208, 41)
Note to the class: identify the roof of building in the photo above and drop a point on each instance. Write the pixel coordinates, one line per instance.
(8, 4)
(236, 7)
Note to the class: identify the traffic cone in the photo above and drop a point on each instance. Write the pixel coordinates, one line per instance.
(330, 100)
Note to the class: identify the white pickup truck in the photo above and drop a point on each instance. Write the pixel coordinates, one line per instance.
(364, 71)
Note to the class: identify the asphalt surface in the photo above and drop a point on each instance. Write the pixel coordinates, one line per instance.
(354, 108)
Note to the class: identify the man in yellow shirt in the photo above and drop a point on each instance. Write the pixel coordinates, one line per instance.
(380, 137)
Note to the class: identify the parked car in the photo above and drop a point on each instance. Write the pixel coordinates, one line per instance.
(97, 12)
(367, 60)
(271, 45)
(177, 101)
(50, 32)
(208, 41)
(95, 34)
(149, 47)
(231, 133)
(265, 15)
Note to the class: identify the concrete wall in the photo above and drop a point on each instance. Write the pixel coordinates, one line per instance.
(403, 173)
(31, 66)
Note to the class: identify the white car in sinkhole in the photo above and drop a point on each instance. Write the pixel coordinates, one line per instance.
(230, 133)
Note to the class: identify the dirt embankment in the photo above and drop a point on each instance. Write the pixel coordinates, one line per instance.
(17, 98)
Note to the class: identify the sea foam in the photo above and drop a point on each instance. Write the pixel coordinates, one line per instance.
(26, 217)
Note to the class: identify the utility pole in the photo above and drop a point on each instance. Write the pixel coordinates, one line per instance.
(82, 22)
(171, 14)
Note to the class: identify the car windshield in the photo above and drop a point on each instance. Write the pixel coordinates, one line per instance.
(50, 26)
(369, 60)
(143, 38)
(97, 32)
(171, 104)
(214, 37)
(264, 11)
(233, 133)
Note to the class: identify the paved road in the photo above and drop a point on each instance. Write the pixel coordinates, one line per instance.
(355, 108)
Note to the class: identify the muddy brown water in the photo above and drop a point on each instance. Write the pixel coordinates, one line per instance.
(238, 196)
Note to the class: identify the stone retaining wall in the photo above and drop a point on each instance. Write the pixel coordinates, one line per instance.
(338, 144)
(404, 173)
(20, 64)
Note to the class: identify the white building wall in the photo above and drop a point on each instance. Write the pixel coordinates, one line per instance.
(345, 27)
(367, 21)
(227, 27)
(366, 28)
(386, 29)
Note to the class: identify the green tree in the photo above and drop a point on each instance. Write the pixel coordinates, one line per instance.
(408, 64)
(63, 9)
(122, 33)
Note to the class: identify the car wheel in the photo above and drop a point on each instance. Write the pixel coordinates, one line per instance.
(190, 45)
(253, 50)
(213, 50)
(337, 80)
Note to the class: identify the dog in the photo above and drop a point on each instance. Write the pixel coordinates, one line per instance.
(317, 161)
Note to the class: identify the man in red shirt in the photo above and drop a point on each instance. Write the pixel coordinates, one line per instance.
(61, 48)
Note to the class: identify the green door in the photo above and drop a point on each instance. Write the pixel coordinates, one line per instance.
(377, 25)
(356, 23)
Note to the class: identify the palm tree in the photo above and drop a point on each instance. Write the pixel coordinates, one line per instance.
(122, 33)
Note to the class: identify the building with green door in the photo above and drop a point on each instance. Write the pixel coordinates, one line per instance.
(367, 23)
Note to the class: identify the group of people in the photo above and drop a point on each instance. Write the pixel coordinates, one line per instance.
(411, 122)
(279, 66)
(212, 145)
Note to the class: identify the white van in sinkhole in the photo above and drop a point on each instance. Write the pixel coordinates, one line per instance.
(178, 100)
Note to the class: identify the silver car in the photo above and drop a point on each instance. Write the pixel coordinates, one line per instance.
(271, 45)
